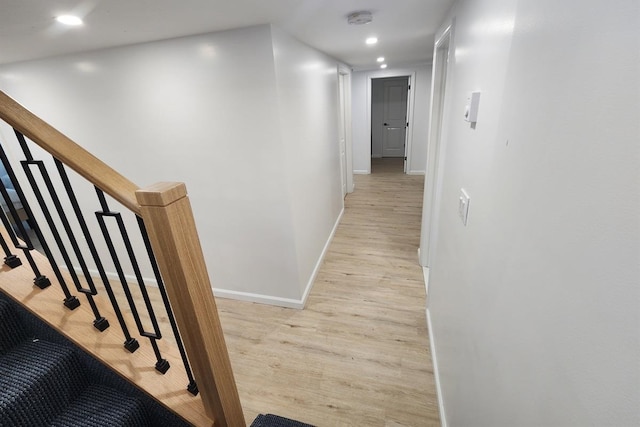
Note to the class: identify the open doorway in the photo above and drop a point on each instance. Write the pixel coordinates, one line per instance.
(389, 113)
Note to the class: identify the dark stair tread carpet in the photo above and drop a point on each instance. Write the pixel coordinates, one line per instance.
(38, 380)
(101, 406)
(271, 420)
(46, 381)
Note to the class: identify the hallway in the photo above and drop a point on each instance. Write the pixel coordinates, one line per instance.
(357, 355)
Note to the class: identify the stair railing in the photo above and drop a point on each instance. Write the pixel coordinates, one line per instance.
(167, 228)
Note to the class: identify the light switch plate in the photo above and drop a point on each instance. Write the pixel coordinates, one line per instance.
(471, 109)
(463, 206)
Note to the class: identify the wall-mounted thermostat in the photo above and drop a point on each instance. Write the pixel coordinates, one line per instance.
(471, 109)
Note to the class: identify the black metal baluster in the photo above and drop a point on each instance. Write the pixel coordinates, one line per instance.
(40, 280)
(131, 344)
(100, 322)
(162, 365)
(10, 260)
(71, 301)
(192, 387)
(19, 231)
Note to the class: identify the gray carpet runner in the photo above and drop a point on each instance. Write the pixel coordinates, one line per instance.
(271, 420)
(46, 381)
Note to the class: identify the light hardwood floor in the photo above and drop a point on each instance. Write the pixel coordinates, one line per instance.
(358, 354)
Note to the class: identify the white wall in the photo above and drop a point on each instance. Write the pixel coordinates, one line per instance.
(307, 82)
(534, 305)
(203, 110)
(361, 104)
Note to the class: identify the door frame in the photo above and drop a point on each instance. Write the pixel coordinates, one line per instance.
(411, 74)
(440, 88)
(344, 80)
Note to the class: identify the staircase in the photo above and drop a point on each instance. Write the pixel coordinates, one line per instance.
(46, 381)
(75, 233)
(55, 347)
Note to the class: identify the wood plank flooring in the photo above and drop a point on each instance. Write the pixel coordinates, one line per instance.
(358, 354)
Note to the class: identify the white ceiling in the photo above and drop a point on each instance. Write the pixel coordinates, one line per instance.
(405, 28)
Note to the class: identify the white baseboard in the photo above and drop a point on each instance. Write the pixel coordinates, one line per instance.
(361, 172)
(113, 276)
(416, 172)
(316, 269)
(436, 371)
(262, 299)
(243, 296)
(425, 274)
(222, 293)
(284, 302)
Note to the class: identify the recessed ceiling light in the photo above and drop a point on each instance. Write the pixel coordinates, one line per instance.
(380, 59)
(69, 20)
(383, 66)
(372, 40)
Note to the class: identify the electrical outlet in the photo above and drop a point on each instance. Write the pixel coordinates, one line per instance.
(463, 206)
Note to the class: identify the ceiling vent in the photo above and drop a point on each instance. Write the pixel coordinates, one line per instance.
(359, 18)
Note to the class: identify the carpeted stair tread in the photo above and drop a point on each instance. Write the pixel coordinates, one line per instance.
(101, 406)
(11, 331)
(49, 382)
(271, 420)
(38, 379)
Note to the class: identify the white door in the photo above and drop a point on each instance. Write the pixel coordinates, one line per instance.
(394, 117)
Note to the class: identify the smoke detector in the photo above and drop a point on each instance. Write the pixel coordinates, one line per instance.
(359, 18)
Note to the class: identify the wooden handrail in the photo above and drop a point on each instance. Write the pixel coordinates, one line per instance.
(167, 215)
(166, 211)
(68, 152)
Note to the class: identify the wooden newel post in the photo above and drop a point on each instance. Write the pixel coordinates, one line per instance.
(167, 214)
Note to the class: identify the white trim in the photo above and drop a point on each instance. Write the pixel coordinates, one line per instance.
(445, 33)
(263, 299)
(397, 72)
(284, 302)
(95, 274)
(243, 296)
(440, 80)
(416, 172)
(223, 293)
(436, 371)
(346, 71)
(316, 270)
(425, 275)
(361, 172)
